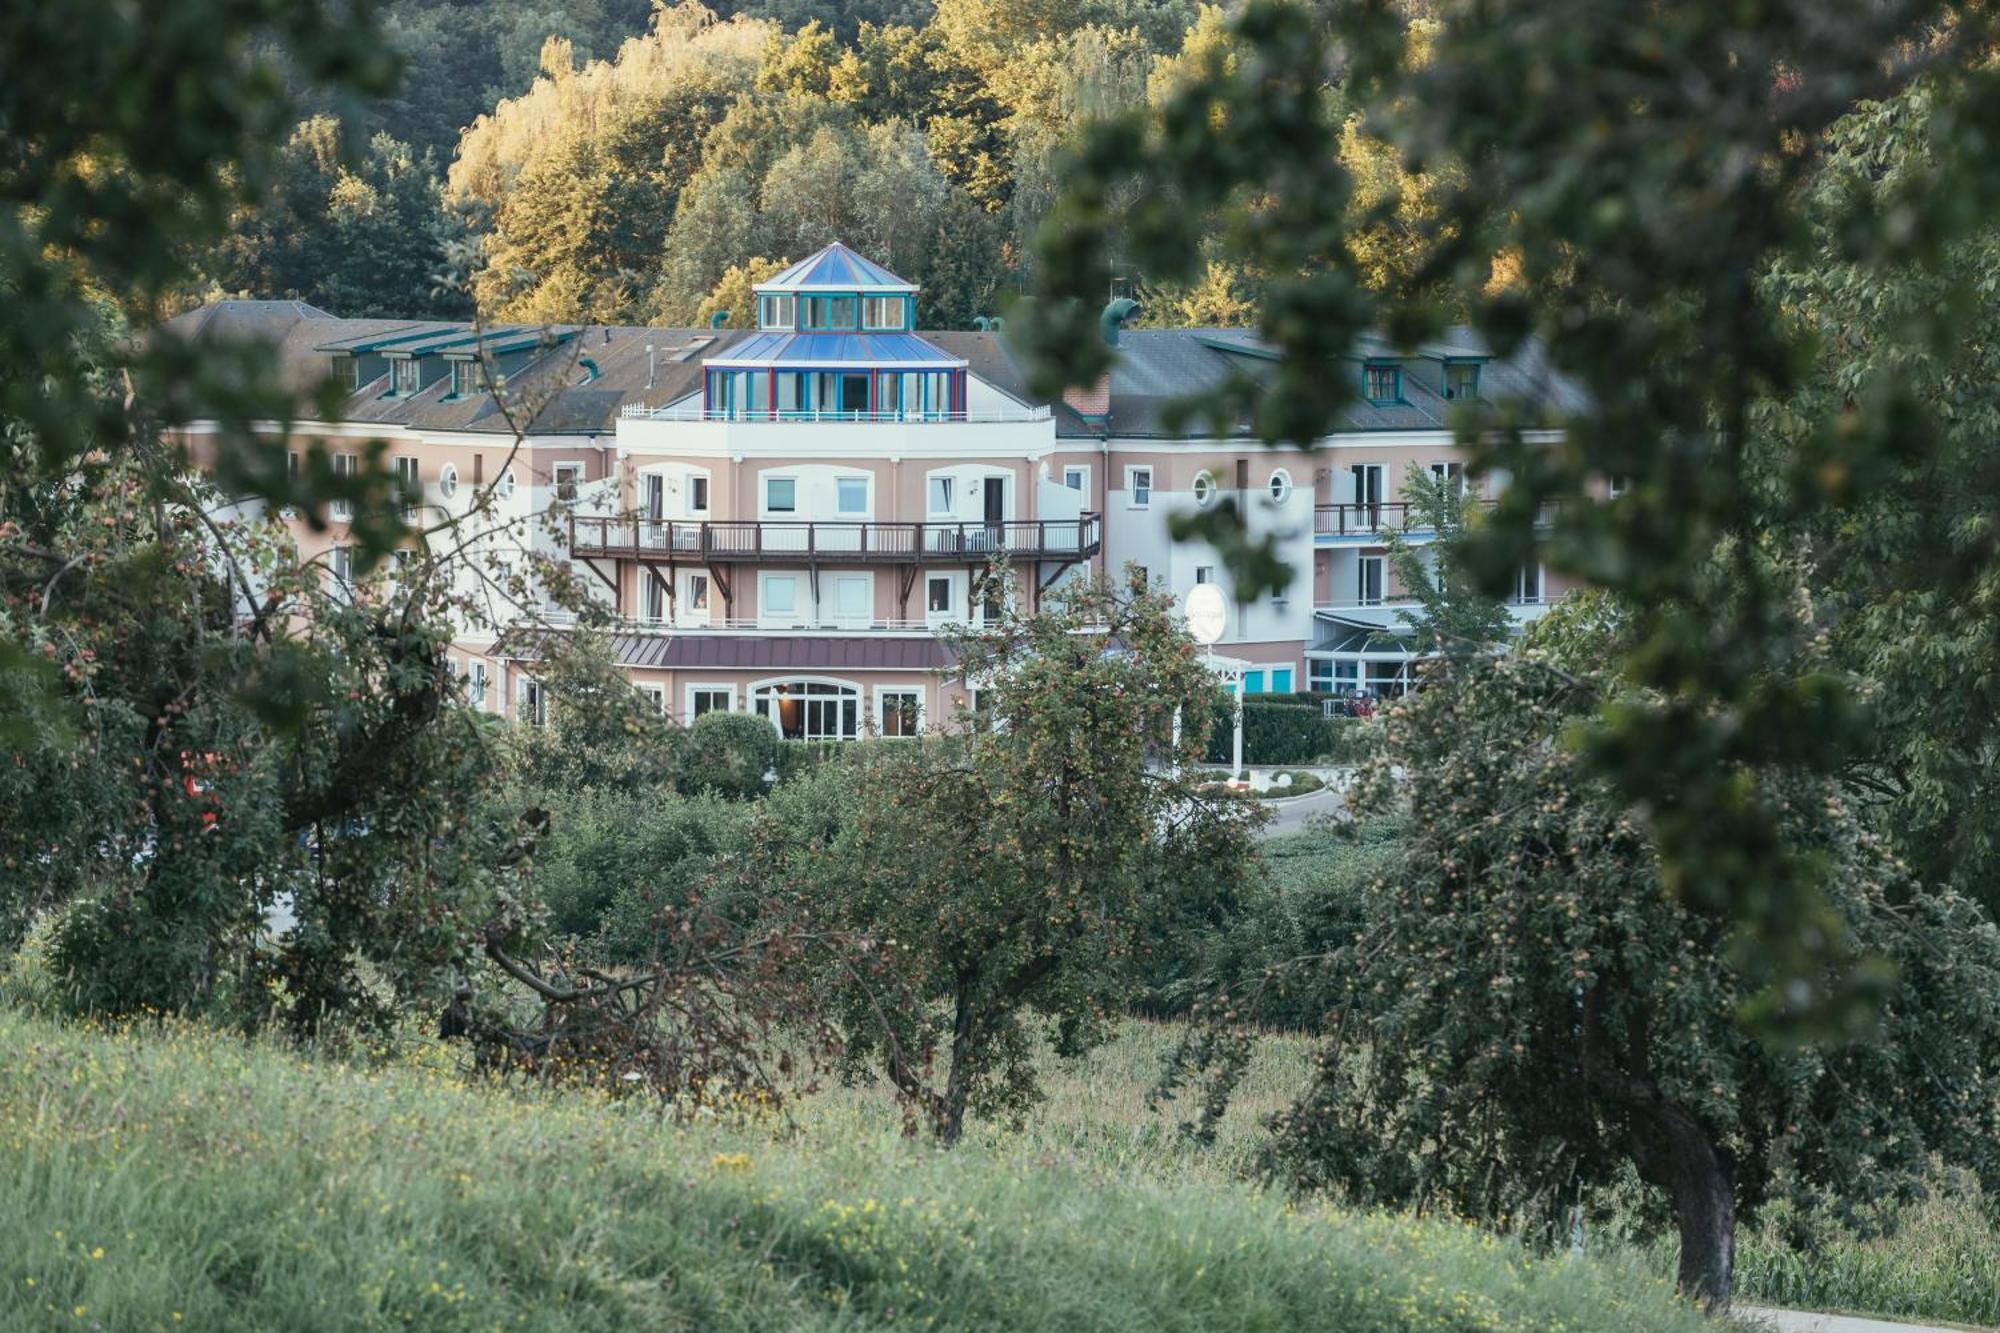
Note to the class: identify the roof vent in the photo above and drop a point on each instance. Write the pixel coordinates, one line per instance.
(1117, 314)
(718, 319)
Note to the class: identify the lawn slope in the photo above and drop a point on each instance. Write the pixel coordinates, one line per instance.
(175, 1178)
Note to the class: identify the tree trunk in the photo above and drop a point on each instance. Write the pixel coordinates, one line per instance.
(1674, 1152)
(950, 1122)
(1671, 1149)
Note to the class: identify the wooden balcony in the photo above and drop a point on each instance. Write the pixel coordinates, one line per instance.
(729, 541)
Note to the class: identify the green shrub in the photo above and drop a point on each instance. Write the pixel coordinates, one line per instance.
(1285, 733)
(728, 754)
(608, 857)
(1313, 898)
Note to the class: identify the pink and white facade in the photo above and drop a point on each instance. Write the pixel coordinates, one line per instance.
(783, 518)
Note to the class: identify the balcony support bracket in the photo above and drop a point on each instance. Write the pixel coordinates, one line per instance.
(609, 582)
(721, 581)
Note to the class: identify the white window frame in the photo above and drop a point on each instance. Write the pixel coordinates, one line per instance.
(1449, 470)
(867, 485)
(448, 480)
(504, 488)
(533, 703)
(728, 693)
(340, 563)
(948, 485)
(842, 690)
(692, 607)
(1615, 486)
(1279, 486)
(1203, 488)
(572, 474)
(884, 694)
(344, 465)
(867, 613)
(777, 311)
(476, 675)
(407, 374)
(656, 692)
(697, 483)
(797, 616)
(766, 509)
(409, 471)
(1204, 574)
(654, 596)
(872, 308)
(1077, 479)
(1361, 565)
(950, 610)
(1539, 594)
(1137, 496)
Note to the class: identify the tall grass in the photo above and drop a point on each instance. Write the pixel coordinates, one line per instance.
(171, 1177)
(1941, 1262)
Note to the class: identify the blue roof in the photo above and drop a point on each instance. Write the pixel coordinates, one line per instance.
(805, 351)
(836, 269)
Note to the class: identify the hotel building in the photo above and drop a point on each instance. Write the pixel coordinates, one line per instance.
(782, 518)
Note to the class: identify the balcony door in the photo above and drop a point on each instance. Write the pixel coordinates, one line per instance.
(1368, 583)
(853, 394)
(653, 508)
(993, 491)
(1368, 482)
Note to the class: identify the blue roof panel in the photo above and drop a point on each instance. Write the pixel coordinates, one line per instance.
(836, 268)
(802, 351)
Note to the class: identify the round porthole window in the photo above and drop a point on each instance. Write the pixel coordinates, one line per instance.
(506, 486)
(1281, 486)
(448, 481)
(1204, 488)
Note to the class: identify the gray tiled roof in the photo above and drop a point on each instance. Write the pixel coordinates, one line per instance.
(1155, 366)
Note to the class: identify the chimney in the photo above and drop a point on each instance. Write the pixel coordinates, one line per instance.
(1093, 404)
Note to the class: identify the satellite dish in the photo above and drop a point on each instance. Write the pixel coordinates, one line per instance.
(1207, 614)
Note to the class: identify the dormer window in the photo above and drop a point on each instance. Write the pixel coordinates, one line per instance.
(347, 370)
(1461, 379)
(775, 312)
(466, 378)
(882, 312)
(1384, 383)
(408, 376)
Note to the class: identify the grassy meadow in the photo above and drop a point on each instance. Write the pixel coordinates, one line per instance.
(173, 1177)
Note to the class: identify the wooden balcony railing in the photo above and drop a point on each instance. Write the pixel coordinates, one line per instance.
(834, 542)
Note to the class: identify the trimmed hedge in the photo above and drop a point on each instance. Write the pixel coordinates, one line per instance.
(1283, 733)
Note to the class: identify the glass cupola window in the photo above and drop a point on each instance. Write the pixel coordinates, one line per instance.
(834, 343)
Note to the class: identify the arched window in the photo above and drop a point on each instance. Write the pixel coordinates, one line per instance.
(809, 710)
(1204, 488)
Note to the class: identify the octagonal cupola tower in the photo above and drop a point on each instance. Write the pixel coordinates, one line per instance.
(834, 342)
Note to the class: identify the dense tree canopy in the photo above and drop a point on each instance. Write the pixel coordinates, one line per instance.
(1528, 1015)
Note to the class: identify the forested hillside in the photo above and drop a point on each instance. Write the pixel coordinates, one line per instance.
(611, 161)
